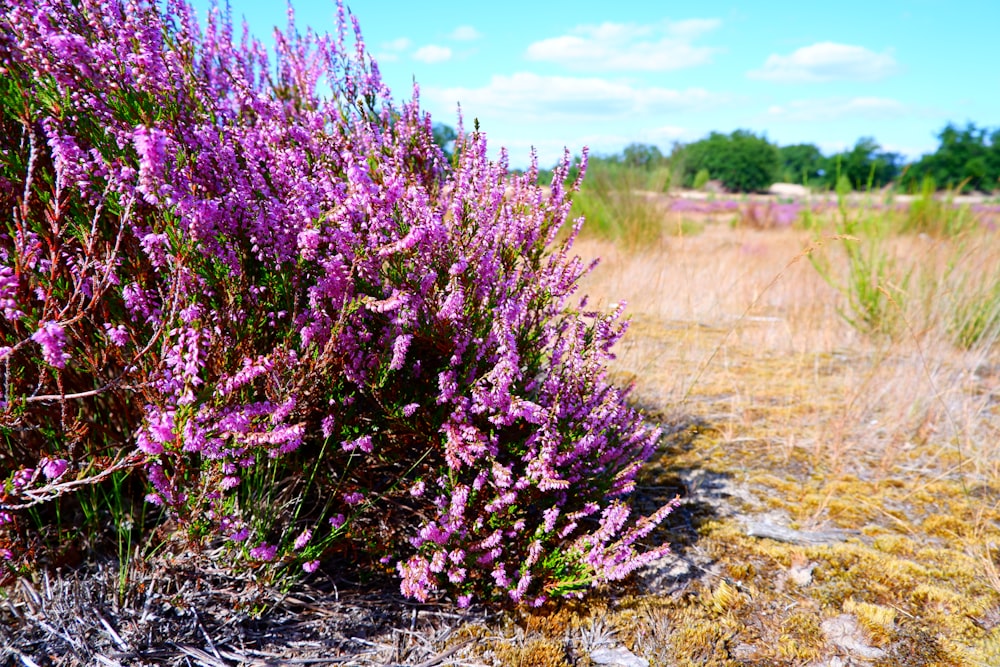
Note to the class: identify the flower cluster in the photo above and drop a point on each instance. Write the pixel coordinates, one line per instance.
(259, 292)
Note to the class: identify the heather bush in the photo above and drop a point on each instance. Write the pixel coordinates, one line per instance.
(283, 319)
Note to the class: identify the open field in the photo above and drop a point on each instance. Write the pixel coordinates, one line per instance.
(881, 449)
(841, 483)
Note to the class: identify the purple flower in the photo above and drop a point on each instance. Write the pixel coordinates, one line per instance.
(550, 516)
(240, 535)
(229, 482)
(155, 246)
(264, 551)
(287, 263)
(308, 241)
(399, 348)
(51, 337)
(53, 468)
(303, 539)
(364, 443)
(23, 477)
(151, 145)
(8, 294)
(118, 335)
(327, 425)
(499, 575)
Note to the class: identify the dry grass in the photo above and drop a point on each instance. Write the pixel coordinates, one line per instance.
(894, 440)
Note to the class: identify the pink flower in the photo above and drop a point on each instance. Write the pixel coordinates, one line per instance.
(264, 551)
(399, 348)
(117, 335)
(23, 477)
(240, 535)
(54, 468)
(303, 539)
(364, 443)
(229, 482)
(310, 566)
(51, 337)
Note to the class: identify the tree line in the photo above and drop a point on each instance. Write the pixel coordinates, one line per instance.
(967, 159)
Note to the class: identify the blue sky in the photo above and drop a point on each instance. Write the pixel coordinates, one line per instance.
(608, 73)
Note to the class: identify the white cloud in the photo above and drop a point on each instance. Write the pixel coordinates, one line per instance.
(389, 51)
(827, 61)
(528, 96)
(465, 33)
(432, 53)
(839, 107)
(691, 28)
(627, 46)
(400, 44)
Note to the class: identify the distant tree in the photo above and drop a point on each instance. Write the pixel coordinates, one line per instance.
(862, 165)
(969, 157)
(444, 137)
(644, 156)
(801, 163)
(741, 161)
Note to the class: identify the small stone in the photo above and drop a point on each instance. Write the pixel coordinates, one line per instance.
(843, 632)
(800, 573)
(618, 656)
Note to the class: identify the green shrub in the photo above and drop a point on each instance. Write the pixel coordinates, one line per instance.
(742, 161)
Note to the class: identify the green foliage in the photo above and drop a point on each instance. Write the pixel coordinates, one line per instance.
(701, 178)
(865, 166)
(649, 168)
(444, 137)
(975, 313)
(875, 286)
(742, 161)
(801, 163)
(615, 202)
(967, 159)
(927, 214)
(642, 156)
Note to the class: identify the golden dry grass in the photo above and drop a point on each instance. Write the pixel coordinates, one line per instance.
(894, 440)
